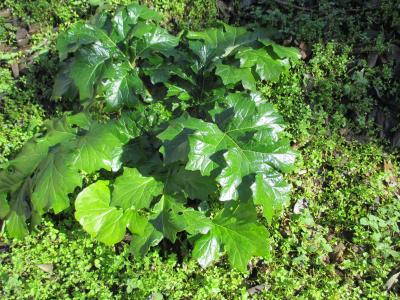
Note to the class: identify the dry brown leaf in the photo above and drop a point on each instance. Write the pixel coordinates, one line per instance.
(48, 268)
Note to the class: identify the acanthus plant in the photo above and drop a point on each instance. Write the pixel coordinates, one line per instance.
(220, 144)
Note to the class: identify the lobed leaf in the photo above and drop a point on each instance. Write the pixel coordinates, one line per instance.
(236, 231)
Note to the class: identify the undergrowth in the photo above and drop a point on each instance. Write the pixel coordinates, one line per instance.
(339, 237)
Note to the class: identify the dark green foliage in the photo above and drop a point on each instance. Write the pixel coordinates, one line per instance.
(231, 145)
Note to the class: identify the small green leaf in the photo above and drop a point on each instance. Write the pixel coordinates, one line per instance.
(177, 91)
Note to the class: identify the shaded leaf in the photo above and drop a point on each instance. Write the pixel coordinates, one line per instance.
(190, 183)
(282, 51)
(150, 237)
(4, 206)
(101, 146)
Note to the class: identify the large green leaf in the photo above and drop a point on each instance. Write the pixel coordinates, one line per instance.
(206, 250)
(244, 141)
(87, 67)
(101, 220)
(126, 17)
(134, 190)
(19, 211)
(136, 12)
(232, 75)
(236, 230)
(165, 221)
(175, 144)
(272, 192)
(120, 86)
(52, 183)
(101, 146)
(16, 225)
(267, 67)
(153, 38)
(216, 43)
(77, 35)
(170, 217)
(150, 237)
(34, 151)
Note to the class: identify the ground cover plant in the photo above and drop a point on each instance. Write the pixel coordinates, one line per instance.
(339, 236)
